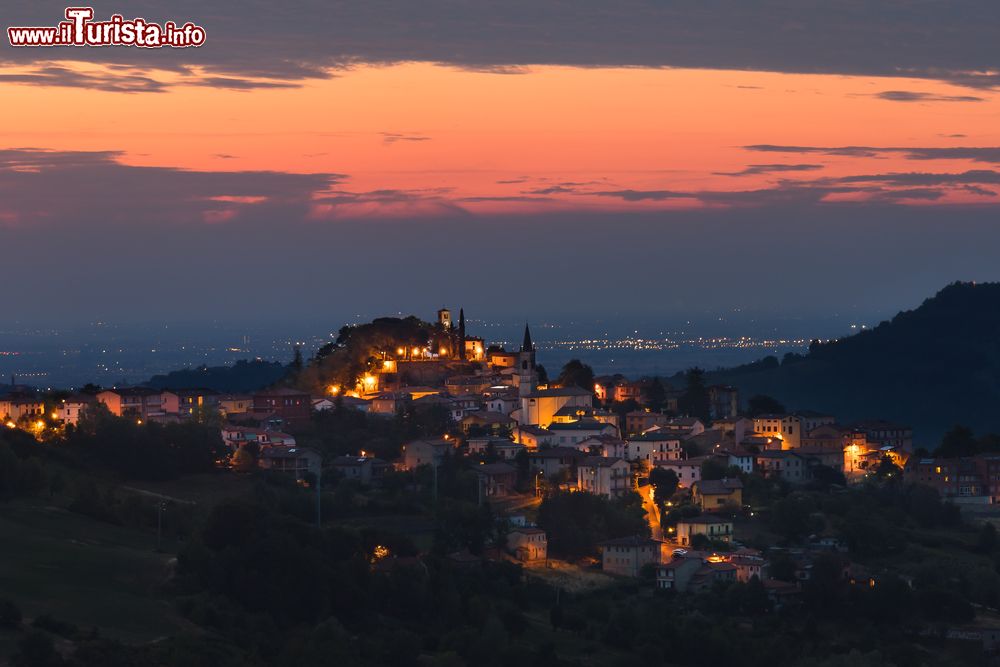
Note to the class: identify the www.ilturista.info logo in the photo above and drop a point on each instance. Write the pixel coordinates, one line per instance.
(80, 30)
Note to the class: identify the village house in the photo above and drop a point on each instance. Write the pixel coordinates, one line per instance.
(425, 452)
(627, 556)
(296, 461)
(654, 446)
(617, 388)
(528, 544)
(554, 461)
(609, 477)
(459, 385)
(185, 402)
(497, 480)
(676, 573)
(709, 440)
(682, 426)
(749, 563)
(688, 471)
(461, 406)
(574, 413)
(388, 403)
(734, 428)
(364, 469)
(431, 401)
(723, 401)
(235, 436)
(503, 448)
(781, 594)
(292, 405)
(137, 402)
(782, 464)
(69, 409)
(603, 445)
(718, 494)
(504, 403)
(693, 571)
(488, 422)
(322, 403)
(711, 526)
(737, 457)
(822, 457)
(790, 428)
(500, 358)
(21, 405)
(539, 407)
(965, 480)
(533, 437)
(574, 432)
(639, 421)
(880, 433)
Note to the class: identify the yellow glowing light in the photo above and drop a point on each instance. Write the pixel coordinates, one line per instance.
(369, 380)
(379, 552)
(443, 351)
(11, 424)
(400, 351)
(416, 351)
(715, 558)
(39, 424)
(334, 389)
(139, 422)
(387, 364)
(55, 415)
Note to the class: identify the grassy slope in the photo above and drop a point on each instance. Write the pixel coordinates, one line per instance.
(83, 571)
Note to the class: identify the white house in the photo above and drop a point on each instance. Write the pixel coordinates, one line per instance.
(602, 476)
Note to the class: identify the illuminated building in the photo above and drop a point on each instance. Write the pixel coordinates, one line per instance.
(711, 526)
(528, 544)
(603, 476)
(628, 555)
(717, 494)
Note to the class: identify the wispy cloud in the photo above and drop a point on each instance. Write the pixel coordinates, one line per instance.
(317, 38)
(97, 185)
(974, 153)
(394, 137)
(912, 96)
(755, 169)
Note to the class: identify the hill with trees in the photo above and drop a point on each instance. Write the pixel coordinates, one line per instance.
(932, 367)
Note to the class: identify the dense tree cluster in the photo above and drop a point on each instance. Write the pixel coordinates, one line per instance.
(577, 522)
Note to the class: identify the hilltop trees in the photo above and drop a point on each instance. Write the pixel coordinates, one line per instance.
(763, 405)
(695, 402)
(359, 348)
(576, 374)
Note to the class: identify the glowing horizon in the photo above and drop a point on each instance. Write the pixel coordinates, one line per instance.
(426, 139)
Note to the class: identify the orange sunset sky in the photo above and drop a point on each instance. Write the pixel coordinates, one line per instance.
(546, 137)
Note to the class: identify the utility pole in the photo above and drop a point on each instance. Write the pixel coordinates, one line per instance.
(319, 499)
(160, 506)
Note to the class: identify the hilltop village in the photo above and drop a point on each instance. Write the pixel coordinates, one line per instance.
(585, 483)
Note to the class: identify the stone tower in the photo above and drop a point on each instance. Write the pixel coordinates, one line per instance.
(527, 376)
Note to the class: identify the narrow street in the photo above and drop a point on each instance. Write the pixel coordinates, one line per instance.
(652, 513)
